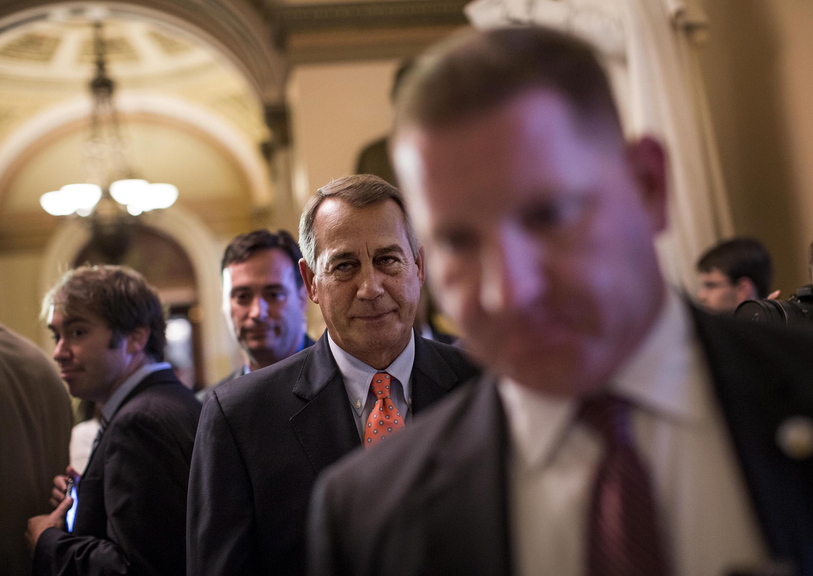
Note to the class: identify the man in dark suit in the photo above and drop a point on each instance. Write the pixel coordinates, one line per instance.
(264, 299)
(264, 437)
(108, 325)
(622, 431)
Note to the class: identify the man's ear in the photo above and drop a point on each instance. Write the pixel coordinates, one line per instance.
(746, 290)
(420, 261)
(137, 340)
(647, 159)
(308, 276)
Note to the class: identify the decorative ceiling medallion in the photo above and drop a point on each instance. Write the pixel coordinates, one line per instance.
(31, 47)
(170, 46)
(119, 49)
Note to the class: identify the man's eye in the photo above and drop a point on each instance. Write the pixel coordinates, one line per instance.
(78, 332)
(558, 213)
(55, 337)
(241, 298)
(275, 296)
(343, 267)
(458, 242)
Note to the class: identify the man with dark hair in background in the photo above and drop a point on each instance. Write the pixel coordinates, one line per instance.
(108, 325)
(621, 431)
(264, 298)
(263, 438)
(35, 427)
(732, 272)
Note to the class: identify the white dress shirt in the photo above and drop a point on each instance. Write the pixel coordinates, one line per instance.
(709, 521)
(358, 376)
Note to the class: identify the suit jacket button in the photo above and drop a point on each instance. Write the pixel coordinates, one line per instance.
(795, 437)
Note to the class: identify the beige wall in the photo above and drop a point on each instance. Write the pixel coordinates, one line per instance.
(336, 109)
(757, 72)
(19, 293)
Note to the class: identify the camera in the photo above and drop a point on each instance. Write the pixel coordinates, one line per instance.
(797, 310)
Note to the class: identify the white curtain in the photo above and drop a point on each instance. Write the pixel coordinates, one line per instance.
(650, 51)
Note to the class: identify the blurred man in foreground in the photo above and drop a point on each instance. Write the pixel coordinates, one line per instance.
(622, 431)
(732, 272)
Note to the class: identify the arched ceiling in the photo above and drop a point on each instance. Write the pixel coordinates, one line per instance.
(45, 67)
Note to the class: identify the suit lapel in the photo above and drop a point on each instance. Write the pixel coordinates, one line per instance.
(324, 426)
(464, 507)
(755, 401)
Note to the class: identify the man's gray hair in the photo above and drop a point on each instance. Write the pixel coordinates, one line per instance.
(359, 191)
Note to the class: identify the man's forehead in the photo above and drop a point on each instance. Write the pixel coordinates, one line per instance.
(58, 317)
(271, 262)
(337, 220)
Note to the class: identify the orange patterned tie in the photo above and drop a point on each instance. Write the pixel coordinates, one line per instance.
(385, 419)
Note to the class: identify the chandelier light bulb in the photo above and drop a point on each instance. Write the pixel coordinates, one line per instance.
(136, 194)
(162, 195)
(128, 191)
(57, 204)
(79, 198)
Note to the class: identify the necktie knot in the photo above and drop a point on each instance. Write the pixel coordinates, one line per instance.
(381, 385)
(609, 416)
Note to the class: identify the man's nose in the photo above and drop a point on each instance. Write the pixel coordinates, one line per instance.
(512, 275)
(259, 307)
(370, 283)
(61, 351)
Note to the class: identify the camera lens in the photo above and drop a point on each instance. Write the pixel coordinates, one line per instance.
(770, 311)
(790, 312)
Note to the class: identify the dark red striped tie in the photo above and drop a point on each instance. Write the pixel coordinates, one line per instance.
(625, 538)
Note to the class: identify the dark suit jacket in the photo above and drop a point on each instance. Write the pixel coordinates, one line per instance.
(132, 498)
(263, 439)
(440, 491)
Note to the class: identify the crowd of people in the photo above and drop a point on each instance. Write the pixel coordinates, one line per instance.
(589, 421)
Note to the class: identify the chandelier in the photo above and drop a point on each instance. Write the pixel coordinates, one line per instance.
(113, 196)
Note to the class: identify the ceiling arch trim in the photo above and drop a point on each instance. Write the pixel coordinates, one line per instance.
(242, 150)
(234, 28)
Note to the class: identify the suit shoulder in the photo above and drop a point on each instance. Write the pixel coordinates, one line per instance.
(168, 399)
(246, 385)
(756, 341)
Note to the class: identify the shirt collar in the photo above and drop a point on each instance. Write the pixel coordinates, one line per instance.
(656, 376)
(357, 375)
(659, 376)
(117, 398)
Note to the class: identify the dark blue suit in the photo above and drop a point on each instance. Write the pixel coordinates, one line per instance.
(262, 441)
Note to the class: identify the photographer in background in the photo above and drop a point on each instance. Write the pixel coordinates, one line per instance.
(732, 272)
